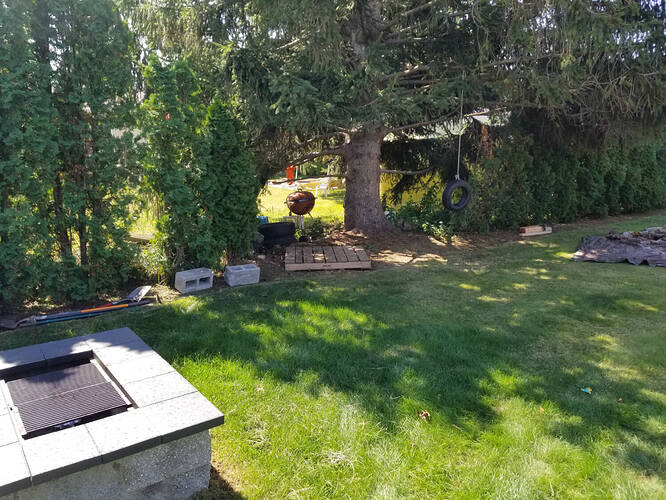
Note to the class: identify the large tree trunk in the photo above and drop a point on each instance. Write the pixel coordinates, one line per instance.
(363, 207)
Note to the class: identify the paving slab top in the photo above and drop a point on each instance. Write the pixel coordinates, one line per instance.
(165, 406)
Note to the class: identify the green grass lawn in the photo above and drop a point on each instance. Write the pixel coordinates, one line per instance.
(321, 381)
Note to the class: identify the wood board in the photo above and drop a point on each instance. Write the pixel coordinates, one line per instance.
(546, 230)
(319, 258)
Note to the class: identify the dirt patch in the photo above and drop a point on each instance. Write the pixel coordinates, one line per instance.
(398, 248)
(391, 249)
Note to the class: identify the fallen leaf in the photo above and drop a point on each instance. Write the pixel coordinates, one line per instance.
(424, 414)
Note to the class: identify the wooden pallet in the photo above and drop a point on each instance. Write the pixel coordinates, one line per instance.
(317, 258)
(535, 230)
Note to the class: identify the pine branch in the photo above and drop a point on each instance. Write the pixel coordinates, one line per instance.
(421, 8)
(322, 176)
(407, 172)
(287, 45)
(339, 151)
(519, 59)
(402, 41)
(321, 137)
(419, 82)
(410, 71)
(422, 124)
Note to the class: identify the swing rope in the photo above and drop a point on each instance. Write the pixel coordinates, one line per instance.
(460, 135)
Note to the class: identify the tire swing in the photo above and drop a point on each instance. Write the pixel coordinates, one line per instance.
(449, 198)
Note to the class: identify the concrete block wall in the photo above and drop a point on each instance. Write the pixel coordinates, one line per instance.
(175, 470)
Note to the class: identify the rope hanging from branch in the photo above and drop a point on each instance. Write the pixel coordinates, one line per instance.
(460, 134)
(424, 170)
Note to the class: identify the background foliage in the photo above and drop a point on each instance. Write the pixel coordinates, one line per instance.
(65, 163)
(77, 156)
(197, 165)
(529, 181)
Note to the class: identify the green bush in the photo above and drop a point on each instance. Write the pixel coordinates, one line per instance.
(201, 171)
(66, 87)
(528, 183)
(228, 186)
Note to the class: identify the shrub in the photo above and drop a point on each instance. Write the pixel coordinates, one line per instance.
(228, 185)
(197, 164)
(529, 183)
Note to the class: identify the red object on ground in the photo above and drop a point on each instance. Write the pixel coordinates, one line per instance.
(300, 202)
(291, 174)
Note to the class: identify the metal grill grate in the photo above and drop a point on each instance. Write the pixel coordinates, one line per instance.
(62, 397)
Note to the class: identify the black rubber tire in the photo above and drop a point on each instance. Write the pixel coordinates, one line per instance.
(275, 230)
(451, 187)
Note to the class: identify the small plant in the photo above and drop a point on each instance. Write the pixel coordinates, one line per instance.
(427, 216)
(314, 229)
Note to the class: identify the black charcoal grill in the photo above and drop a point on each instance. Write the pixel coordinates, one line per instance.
(63, 396)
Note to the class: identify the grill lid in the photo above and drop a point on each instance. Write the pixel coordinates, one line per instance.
(64, 397)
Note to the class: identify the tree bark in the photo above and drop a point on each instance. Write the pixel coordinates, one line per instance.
(60, 226)
(363, 207)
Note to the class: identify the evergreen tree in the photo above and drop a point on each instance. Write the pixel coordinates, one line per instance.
(91, 56)
(335, 77)
(198, 165)
(170, 119)
(228, 186)
(27, 154)
(67, 157)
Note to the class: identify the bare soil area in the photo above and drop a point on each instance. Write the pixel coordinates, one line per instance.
(391, 249)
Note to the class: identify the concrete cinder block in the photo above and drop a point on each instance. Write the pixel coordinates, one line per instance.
(123, 352)
(194, 280)
(72, 347)
(157, 389)
(176, 470)
(180, 486)
(247, 274)
(124, 434)
(8, 433)
(139, 368)
(23, 358)
(183, 415)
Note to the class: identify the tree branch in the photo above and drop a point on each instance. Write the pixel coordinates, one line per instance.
(400, 41)
(407, 172)
(515, 60)
(339, 151)
(321, 137)
(419, 82)
(422, 124)
(287, 45)
(416, 69)
(307, 177)
(418, 9)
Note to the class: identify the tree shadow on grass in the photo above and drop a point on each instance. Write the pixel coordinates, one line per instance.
(444, 353)
(442, 338)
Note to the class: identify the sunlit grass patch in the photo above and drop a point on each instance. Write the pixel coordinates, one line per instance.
(324, 383)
